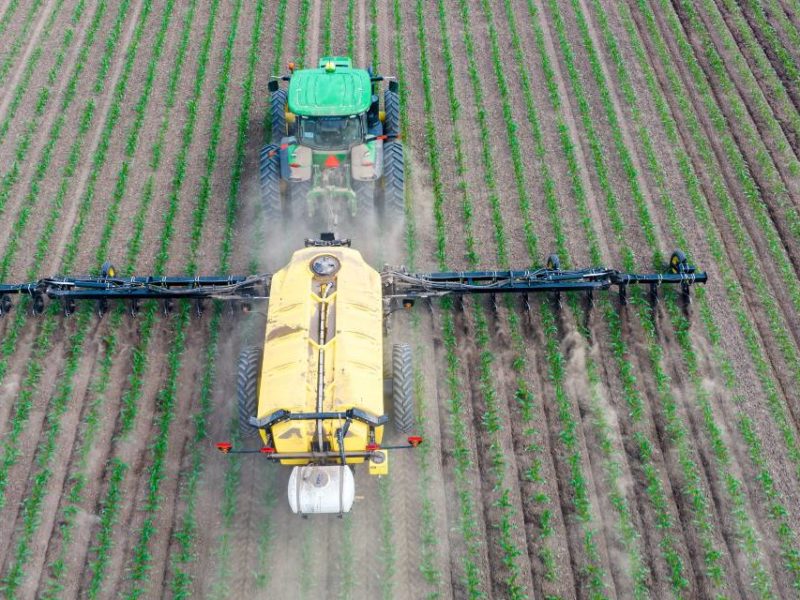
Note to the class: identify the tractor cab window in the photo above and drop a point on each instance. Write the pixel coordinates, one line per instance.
(331, 132)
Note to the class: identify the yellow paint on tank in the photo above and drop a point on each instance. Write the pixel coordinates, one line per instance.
(352, 348)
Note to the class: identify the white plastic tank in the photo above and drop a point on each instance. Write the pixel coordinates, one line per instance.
(314, 489)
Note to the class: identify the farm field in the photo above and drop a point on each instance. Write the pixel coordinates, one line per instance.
(617, 452)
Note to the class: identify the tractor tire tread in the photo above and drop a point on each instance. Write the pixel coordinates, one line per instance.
(277, 110)
(247, 389)
(403, 388)
(270, 178)
(394, 180)
(391, 109)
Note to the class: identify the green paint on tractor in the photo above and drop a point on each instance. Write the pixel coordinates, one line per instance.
(335, 88)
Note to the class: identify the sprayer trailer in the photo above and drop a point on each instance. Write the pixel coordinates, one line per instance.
(335, 153)
(313, 393)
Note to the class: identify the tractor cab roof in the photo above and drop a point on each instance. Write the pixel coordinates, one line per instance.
(333, 89)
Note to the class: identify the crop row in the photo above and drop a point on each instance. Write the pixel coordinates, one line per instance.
(593, 570)
(692, 483)
(21, 89)
(168, 394)
(772, 38)
(302, 30)
(612, 468)
(9, 343)
(654, 487)
(32, 504)
(186, 533)
(749, 186)
(10, 451)
(8, 13)
(772, 182)
(132, 395)
(429, 551)
(102, 380)
(756, 100)
(746, 250)
(23, 36)
(741, 517)
(766, 73)
(463, 463)
(754, 444)
(22, 147)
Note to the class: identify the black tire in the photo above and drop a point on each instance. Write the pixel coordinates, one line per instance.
(391, 111)
(277, 110)
(677, 261)
(297, 205)
(270, 173)
(403, 388)
(365, 198)
(394, 201)
(247, 389)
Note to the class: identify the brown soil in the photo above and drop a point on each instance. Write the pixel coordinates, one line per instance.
(405, 533)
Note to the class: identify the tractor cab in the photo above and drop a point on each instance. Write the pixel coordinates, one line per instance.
(334, 152)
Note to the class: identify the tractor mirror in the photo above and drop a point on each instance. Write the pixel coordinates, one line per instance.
(394, 86)
(272, 86)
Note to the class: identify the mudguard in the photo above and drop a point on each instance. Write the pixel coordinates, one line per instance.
(366, 161)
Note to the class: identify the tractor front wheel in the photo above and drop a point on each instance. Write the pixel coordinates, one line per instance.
(402, 388)
(277, 111)
(247, 389)
(394, 202)
(270, 174)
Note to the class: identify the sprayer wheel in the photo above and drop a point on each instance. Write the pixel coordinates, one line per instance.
(403, 388)
(247, 389)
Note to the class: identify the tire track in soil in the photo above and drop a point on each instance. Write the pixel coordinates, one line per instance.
(30, 40)
(458, 553)
(33, 40)
(315, 30)
(772, 352)
(48, 380)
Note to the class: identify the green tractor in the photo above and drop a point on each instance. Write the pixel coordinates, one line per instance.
(333, 150)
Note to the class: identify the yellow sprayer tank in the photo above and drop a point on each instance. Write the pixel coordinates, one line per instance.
(323, 353)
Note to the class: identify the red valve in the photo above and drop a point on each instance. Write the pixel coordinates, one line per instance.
(224, 447)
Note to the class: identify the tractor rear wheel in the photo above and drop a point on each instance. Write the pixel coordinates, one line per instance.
(391, 110)
(394, 202)
(247, 389)
(270, 173)
(277, 111)
(298, 195)
(365, 198)
(402, 388)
